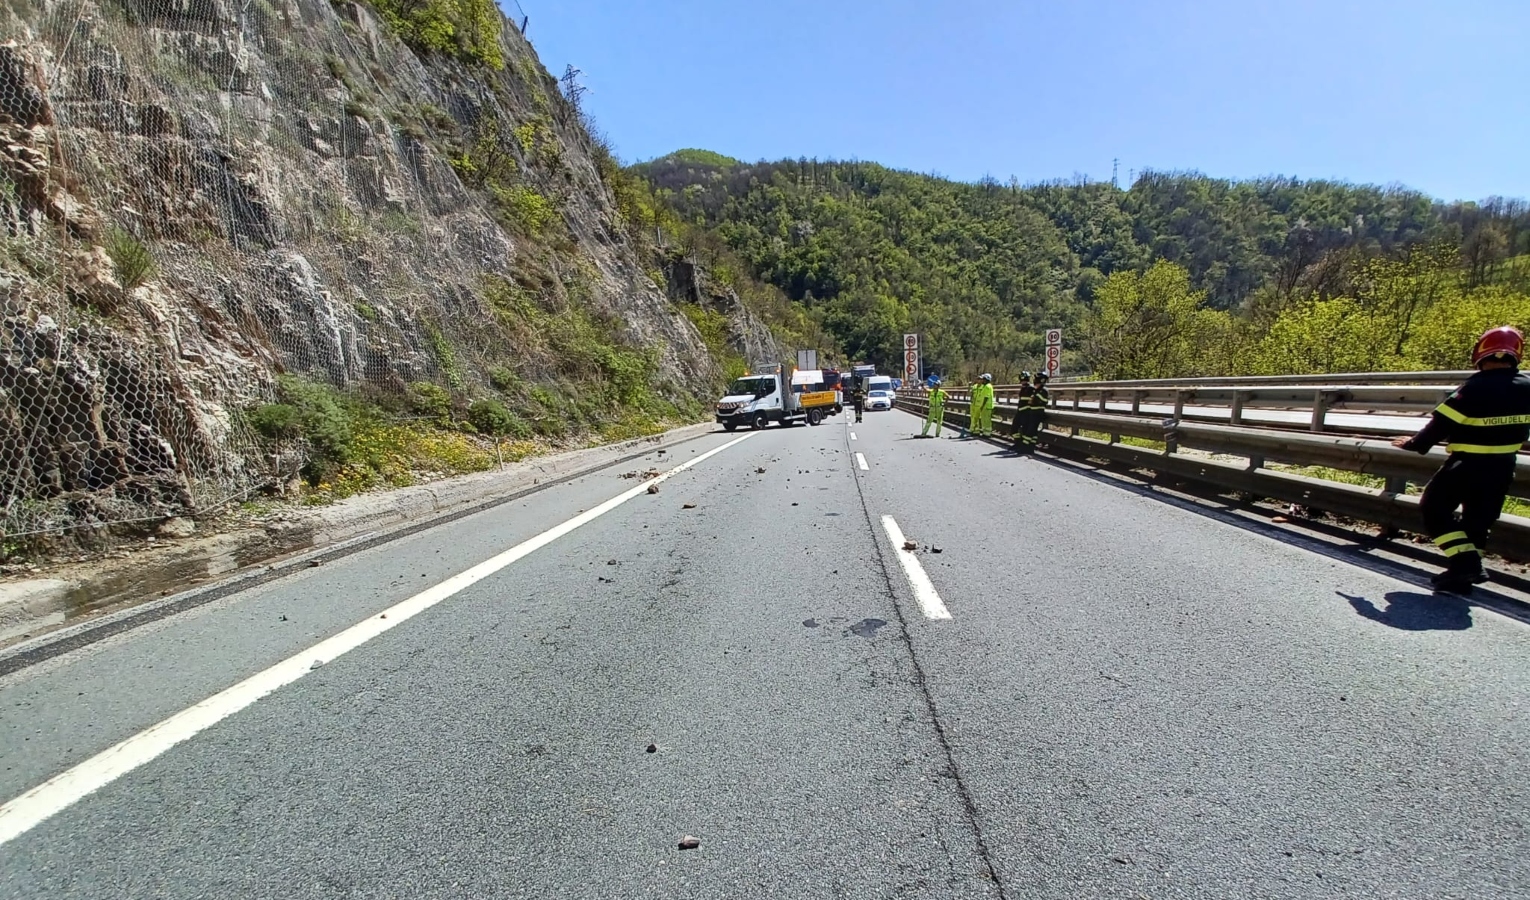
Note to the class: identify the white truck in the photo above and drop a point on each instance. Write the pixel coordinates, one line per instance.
(776, 395)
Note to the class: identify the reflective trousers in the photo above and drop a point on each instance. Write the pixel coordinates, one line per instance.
(1027, 429)
(982, 420)
(935, 417)
(1477, 484)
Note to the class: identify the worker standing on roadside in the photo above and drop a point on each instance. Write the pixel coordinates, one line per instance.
(1039, 400)
(1483, 424)
(858, 398)
(982, 406)
(937, 413)
(1022, 412)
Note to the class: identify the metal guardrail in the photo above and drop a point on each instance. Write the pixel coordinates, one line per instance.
(1246, 424)
(1266, 401)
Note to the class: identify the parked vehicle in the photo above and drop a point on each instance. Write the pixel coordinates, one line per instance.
(758, 400)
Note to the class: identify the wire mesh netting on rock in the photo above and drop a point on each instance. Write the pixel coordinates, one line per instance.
(196, 195)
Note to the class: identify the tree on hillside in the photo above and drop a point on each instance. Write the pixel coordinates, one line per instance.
(981, 269)
(1155, 325)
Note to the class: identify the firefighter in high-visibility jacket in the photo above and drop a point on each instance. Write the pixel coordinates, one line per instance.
(937, 413)
(1022, 411)
(1483, 424)
(982, 406)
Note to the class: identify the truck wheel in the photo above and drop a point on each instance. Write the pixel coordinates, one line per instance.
(759, 422)
(729, 426)
(815, 417)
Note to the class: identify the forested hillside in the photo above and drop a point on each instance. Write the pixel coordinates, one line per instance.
(1180, 274)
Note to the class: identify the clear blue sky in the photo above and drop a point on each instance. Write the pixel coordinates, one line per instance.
(1427, 93)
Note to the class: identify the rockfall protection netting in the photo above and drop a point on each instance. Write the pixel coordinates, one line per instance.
(195, 195)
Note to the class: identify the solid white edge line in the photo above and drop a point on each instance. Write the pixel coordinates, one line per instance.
(58, 793)
(860, 460)
(924, 589)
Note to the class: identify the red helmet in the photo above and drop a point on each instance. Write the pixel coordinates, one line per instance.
(1500, 341)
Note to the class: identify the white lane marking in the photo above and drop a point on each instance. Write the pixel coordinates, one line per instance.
(860, 460)
(924, 589)
(853, 437)
(25, 812)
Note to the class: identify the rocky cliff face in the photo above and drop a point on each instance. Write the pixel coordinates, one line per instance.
(197, 195)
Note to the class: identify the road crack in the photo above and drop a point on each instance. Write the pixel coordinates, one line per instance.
(921, 683)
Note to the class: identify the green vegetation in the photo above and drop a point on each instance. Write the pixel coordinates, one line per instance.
(491, 417)
(132, 263)
(524, 210)
(467, 30)
(585, 349)
(446, 357)
(503, 379)
(1180, 274)
(713, 327)
(354, 445)
(694, 157)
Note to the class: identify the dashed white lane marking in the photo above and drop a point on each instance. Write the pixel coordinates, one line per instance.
(924, 589)
(860, 460)
(63, 790)
(853, 437)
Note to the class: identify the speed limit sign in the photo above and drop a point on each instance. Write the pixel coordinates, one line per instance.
(1054, 337)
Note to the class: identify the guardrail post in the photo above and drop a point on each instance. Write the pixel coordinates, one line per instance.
(1136, 403)
(1104, 397)
(1236, 416)
(1256, 462)
(1319, 409)
(1076, 395)
(1396, 485)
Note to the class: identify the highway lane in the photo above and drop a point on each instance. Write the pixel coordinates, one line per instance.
(1145, 701)
(739, 621)
(1127, 699)
(127, 683)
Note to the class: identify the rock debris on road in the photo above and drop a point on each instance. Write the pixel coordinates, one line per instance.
(1124, 699)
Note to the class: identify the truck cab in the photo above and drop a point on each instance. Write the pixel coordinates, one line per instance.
(752, 400)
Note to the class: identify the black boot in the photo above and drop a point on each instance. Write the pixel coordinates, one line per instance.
(1463, 571)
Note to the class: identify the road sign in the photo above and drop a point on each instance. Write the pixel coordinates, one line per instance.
(911, 365)
(1054, 351)
(911, 357)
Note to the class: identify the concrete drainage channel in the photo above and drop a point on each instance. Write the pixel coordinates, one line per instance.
(45, 602)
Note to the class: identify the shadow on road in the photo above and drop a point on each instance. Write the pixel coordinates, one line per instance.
(1410, 611)
(1356, 551)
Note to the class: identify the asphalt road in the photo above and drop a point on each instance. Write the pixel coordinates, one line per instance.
(1129, 698)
